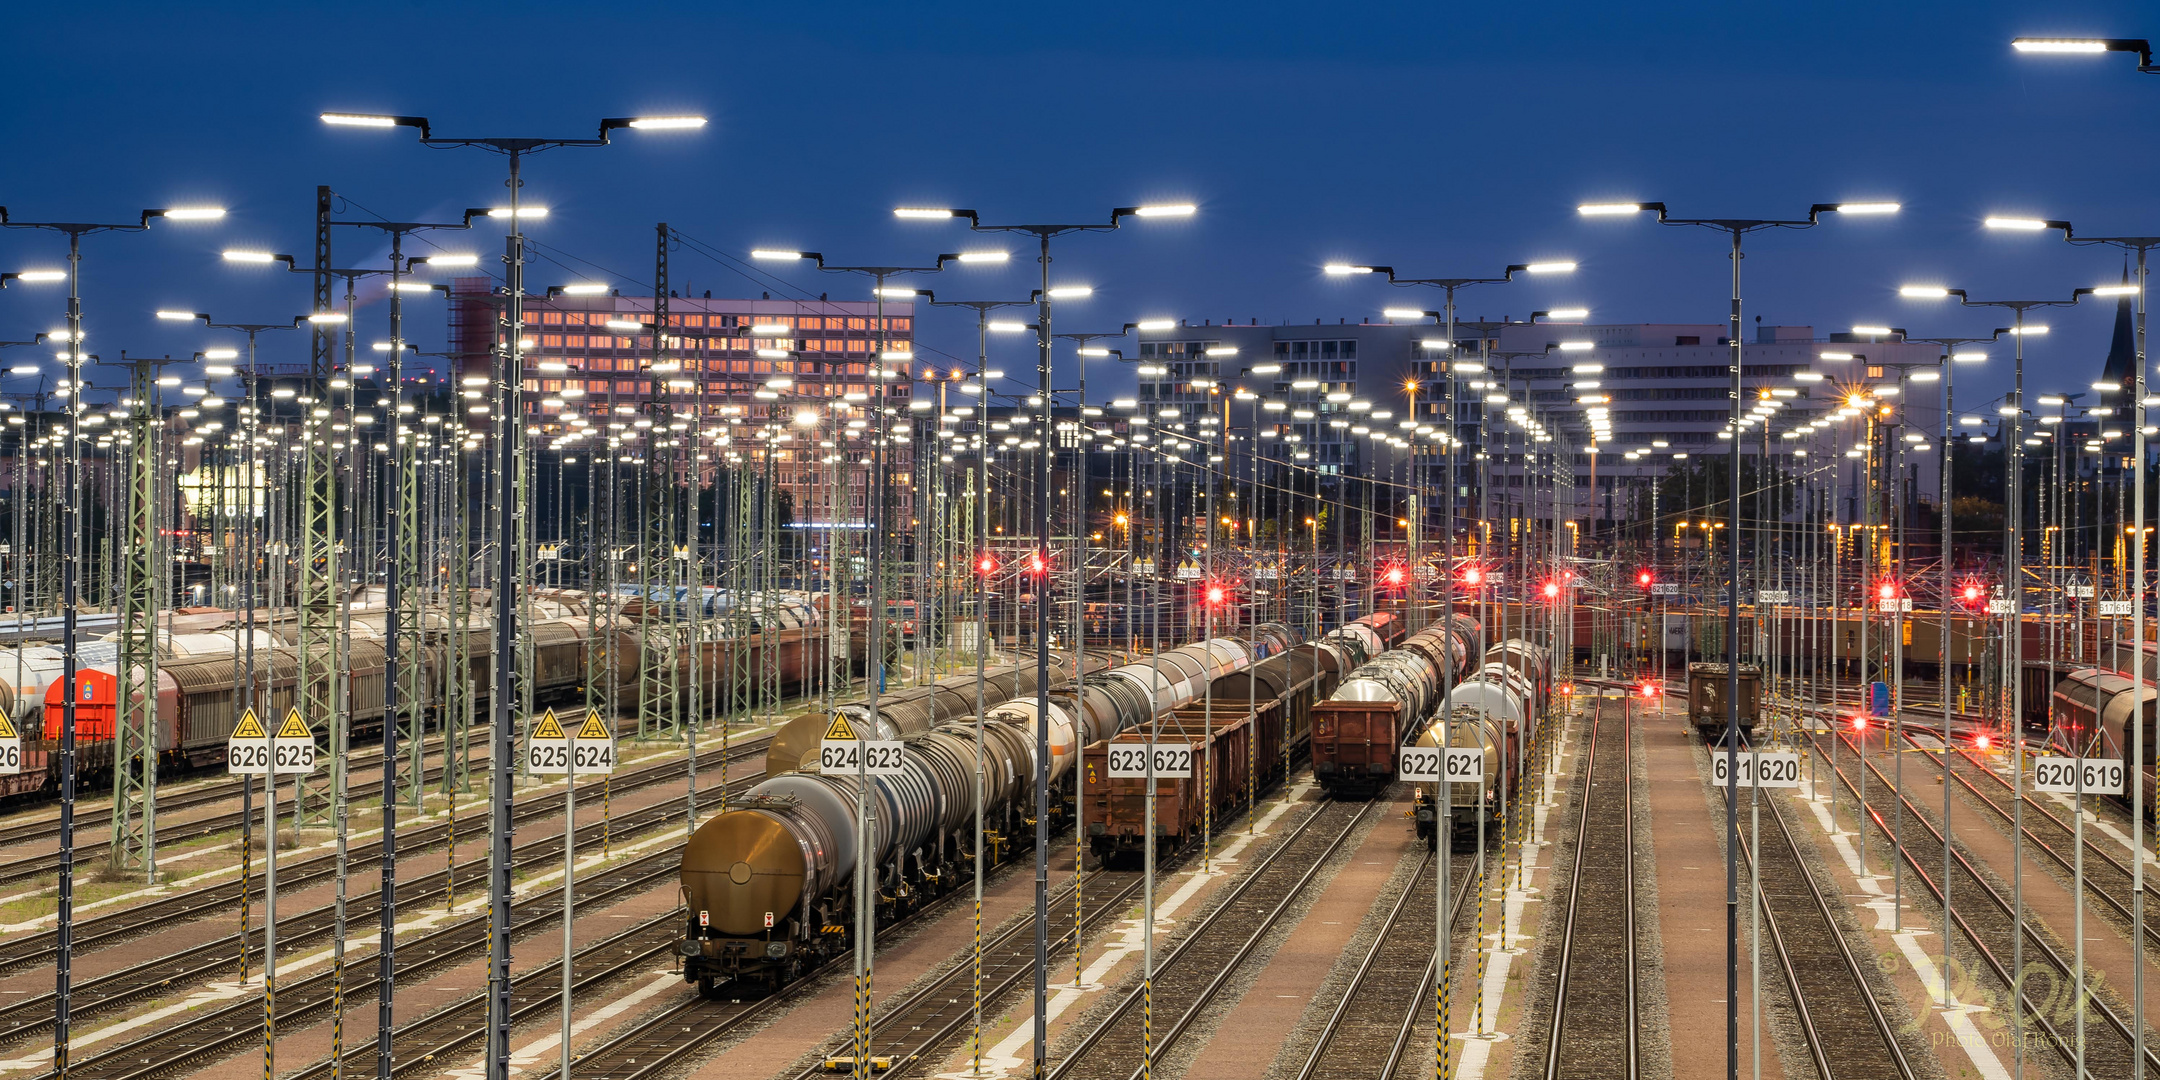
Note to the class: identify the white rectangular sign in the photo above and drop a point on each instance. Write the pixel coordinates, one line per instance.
(1779, 768)
(1428, 764)
(10, 756)
(2098, 776)
(2114, 607)
(882, 756)
(1774, 596)
(2081, 592)
(1664, 588)
(1128, 761)
(1901, 603)
(2001, 607)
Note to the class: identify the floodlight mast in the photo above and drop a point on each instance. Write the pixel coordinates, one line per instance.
(71, 558)
(1043, 234)
(1736, 229)
(509, 431)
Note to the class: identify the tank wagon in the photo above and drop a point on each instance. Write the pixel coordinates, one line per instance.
(768, 885)
(1381, 703)
(1497, 712)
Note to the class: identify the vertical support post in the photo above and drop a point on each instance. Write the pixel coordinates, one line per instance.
(135, 743)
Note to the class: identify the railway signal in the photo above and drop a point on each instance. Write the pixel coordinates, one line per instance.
(1650, 691)
(1550, 590)
(986, 565)
(1645, 579)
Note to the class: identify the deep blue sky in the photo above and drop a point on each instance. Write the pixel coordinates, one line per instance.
(1441, 138)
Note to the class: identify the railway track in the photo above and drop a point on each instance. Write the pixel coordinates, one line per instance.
(213, 1034)
(1369, 1029)
(2105, 875)
(1990, 931)
(690, 1024)
(43, 863)
(300, 932)
(1592, 1032)
(1188, 978)
(201, 795)
(108, 930)
(1843, 1023)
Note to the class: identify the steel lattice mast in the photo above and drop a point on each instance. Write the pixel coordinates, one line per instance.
(317, 697)
(659, 695)
(135, 755)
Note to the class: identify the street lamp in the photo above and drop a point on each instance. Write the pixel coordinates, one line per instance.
(509, 381)
(1043, 234)
(71, 558)
(2142, 246)
(2091, 47)
(1449, 286)
(1736, 229)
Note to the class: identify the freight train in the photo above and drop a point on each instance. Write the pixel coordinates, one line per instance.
(2097, 716)
(1495, 711)
(1379, 704)
(768, 886)
(200, 674)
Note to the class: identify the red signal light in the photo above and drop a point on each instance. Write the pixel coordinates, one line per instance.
(1859, 723)
(1215, 595)
(1887, 591)
(1471, 575)
(1649, 690)
(1972, 594)
(1037, 566)
(986, 565)
(1982, 742)
(1644, 579)
(1552, 590)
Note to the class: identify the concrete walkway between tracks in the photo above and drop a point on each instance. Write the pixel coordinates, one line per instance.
(1252, 1035)
(1684, 831)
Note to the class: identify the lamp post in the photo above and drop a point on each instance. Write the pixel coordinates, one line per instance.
(1736, 229)
(1448, 286)
(865, 890)
(2142, 246)
(1043, 234)
(2012, 411)
(509, 413)
(70, 562)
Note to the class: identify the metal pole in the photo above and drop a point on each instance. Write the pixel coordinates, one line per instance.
(1732, 702)
(394, 507)
(508, 423)
(1042, 671)
(70, 556)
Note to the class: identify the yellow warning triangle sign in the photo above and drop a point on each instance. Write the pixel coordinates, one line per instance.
(594, 727)
(548, 727)
(248, 727)
(839, 729)
(294, 727)
(7, 729)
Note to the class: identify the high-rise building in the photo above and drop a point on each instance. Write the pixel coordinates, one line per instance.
(738, 364)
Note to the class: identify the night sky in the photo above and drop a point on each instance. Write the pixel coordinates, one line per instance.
(1444, 139)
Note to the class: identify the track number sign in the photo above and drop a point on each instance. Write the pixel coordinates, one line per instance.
(252, 751)
(1428, 764)
(2068, 776)
(878, 757)
(1173, 761)
(10, 748)
(1774, 769)
(553, 750)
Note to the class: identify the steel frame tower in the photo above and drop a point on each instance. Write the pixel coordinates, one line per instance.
(659, 690)
(135, 754)
(317, 698)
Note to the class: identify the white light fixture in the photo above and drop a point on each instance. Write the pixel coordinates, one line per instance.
(535, 212)
(1568, 313)
(2024, 224)
(1868, 208)
(1577, 346)
(585, 288)
(1608, 209)
(1550, 267)
(1071, 292)
(1166, 210)
(1403, 313)
(1346, 268)
(984, 256)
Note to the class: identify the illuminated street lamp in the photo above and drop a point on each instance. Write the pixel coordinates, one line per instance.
(509, 382)
(1736, 230)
